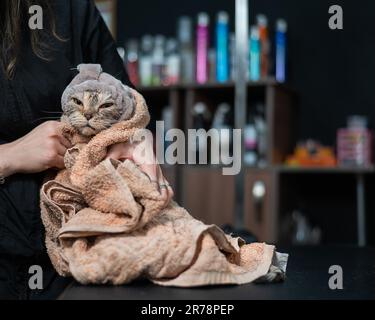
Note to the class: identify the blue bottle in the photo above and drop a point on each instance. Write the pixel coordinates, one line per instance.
(281, 29)
(222, 47)
(254, 54)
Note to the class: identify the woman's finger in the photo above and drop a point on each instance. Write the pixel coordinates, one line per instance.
(164, 192)
(168, 187)
(61, 149)
(151, 171)
(170, 193)
(59, 162)
(65, 142)
(113, 154)
(164, 185)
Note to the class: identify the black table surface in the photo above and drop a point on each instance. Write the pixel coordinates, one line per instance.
(307, 278)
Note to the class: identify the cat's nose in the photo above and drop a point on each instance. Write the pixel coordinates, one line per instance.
(88, 116)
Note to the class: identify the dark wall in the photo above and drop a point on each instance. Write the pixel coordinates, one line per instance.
(332, 71)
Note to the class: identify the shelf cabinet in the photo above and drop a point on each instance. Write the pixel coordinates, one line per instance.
(203, 189)
(271, 193)
(208, 195)
(261, 203)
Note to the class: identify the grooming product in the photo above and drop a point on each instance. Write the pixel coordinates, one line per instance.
(254, 54)
(311, 153)
(262, 24)
(251, 142)
(261, 132)
(359, 122)
(167, 117)
(145, 60)
(131, 62)
(202, 48)
(158, 60)
(201, 120)
(232, 54)
(222, 123)
(222, 47)
(212, 60)
(185, 39)
(303, 233)
(281, 30)
(221, 116)
(172, 72)
(355, 143)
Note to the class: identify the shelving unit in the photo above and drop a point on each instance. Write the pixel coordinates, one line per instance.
(210, 196)
(339, 203)
(203, 189)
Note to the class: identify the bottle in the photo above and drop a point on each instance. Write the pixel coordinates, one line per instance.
(261, 133)
(212, 65)
(232, 53)
(132, 61)
(223, 124)
(172, 72)
(158, 61)
(145, 61)
(185, 39)
(251, 141)
(222, 47)
(201, 120)
(262, 24)
(167, 118)
(202, 48)
(254, 54)
(281, 29)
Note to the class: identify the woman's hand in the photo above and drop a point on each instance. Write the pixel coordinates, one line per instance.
(148, 164)
(41, 149)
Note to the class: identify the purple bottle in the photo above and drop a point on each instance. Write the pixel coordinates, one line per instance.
(202, 72)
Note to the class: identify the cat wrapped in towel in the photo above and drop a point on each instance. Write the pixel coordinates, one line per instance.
(106, 222)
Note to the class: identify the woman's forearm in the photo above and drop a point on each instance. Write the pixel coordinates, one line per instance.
(7, 166)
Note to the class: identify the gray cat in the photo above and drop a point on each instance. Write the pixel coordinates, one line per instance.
(94, 106)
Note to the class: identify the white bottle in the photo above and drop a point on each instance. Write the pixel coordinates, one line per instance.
(145, 61)
(158, 61)
(172, 63)
(185, 39)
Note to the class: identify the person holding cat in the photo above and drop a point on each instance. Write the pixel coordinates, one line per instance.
(36, 66)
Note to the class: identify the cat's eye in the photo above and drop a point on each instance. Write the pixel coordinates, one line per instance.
(77, 101)
(106, 105)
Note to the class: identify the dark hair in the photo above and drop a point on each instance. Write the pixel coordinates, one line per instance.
(14, 17)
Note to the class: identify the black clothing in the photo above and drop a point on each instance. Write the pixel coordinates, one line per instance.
(26, 101)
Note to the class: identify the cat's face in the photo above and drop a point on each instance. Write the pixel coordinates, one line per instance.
(90, 112)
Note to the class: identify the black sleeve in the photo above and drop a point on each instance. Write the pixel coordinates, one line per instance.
(98, 45)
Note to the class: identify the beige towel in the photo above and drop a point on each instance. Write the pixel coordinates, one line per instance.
(105, 223)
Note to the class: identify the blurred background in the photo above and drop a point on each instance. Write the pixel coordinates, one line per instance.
(308, 140)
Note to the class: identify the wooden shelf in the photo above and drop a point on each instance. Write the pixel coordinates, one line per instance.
(283, 169)
(328, 170)
(213, 85)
